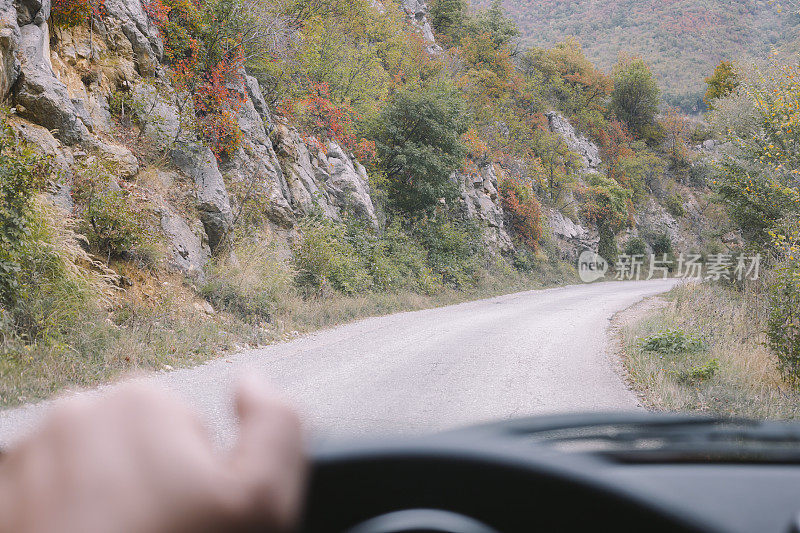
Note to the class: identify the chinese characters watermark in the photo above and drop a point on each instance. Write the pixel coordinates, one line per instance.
(715, 267)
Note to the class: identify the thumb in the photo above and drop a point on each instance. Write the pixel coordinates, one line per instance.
(269, 456)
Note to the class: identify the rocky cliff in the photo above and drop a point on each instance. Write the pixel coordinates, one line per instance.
(61, 83)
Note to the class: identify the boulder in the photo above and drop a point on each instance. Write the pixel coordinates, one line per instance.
(42, 97)
(125, 163)
(347, 183)
(580, 144)
(213, 204)
(189, 254)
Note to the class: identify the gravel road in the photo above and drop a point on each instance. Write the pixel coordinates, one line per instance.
(527, 353)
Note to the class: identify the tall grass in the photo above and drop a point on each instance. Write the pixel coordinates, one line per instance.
(734, 374)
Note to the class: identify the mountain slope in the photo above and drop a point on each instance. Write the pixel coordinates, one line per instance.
(681, 39)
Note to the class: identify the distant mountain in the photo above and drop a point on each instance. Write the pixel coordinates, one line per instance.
(682, 40)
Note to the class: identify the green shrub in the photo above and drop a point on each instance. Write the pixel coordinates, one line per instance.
(253, 283)
(783, 324)
(114, 223)
(55, 288)
(700, 174)
(418, 140)
(661, 244)
(452, 249)
(324, 257)
(674, 204)
(699, 373)
(636, 246)
(524, 260)
(22, 174)
(672, 342)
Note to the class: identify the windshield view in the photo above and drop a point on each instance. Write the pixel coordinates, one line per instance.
(399, 265)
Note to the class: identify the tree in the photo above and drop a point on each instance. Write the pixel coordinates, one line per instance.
(418, 141)
(634, 99)
(607, 205)
(448, 17)
(677, 130)
(721, 83)
(493, 22)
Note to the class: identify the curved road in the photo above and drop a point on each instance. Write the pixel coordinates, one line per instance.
(520, 354)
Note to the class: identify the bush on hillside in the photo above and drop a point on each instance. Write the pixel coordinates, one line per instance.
(634, 99)
(22, 174)
(783, 324)
(252, 282)
(352, 258)
(113, 221)
(523, 211)
(636, 246)
(418, 140)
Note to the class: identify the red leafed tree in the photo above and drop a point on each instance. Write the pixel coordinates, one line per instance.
(324, 119)
(523, 212)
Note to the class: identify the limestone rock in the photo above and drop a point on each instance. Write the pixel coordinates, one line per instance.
(481, 202)
(347, 183)
(44, 98)
(125, 163)
(141, 33)
(189, 253)
(213, 204)
(303, 192)
(32, 11)
(256, 98)
(9, 44)
(571, 238)
(586, 149)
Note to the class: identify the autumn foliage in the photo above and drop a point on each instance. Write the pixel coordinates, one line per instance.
(205, 68)
(69, 13)
(321, 117)
(523, 212)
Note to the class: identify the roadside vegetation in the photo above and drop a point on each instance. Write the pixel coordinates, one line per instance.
(707, 350)
(747, 360)
(88, 296)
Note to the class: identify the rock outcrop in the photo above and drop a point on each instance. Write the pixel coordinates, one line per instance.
(189, 251)
(571, 238)
(41, 96)
(62, 100)
(580, 144)
(9, 45)
(417, 11)
(481, 202)
(213, 202)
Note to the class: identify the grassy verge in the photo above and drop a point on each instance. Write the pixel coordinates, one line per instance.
(704, 350)
(160, 322)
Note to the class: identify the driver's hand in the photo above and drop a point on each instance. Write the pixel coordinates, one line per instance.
(139, 461)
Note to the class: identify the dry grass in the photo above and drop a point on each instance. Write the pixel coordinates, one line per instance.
(159, 322)
(731, 324)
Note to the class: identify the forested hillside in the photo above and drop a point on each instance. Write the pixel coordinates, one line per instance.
(181, 178)
(682, 40)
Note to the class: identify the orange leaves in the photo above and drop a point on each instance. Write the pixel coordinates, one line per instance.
(207, 76)
(523, 211)
(321, 117)
(68, 13)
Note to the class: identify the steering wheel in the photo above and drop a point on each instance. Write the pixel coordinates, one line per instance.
(473, 482)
